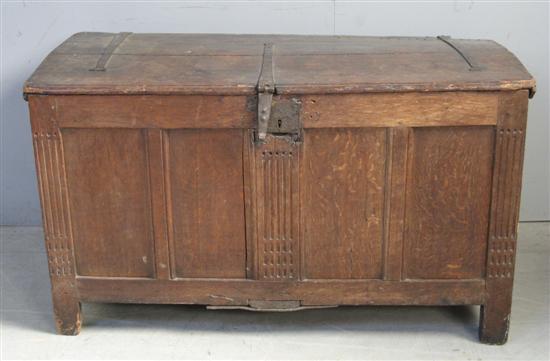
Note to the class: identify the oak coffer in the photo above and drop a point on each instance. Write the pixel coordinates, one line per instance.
(280, 172)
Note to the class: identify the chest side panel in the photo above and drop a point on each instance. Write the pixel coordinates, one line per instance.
(107, 177)
(448, 198)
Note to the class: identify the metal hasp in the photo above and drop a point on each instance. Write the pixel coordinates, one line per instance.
(276, 115)
(266, 89)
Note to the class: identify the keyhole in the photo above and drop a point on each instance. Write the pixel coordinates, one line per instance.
(280, 123)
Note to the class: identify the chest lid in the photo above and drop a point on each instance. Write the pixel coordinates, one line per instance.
(126, 63)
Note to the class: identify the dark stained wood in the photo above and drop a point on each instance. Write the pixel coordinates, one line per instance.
(448, 202)
(343, 181)
(249, 189)
(223, 64)
(506, 191)
(156, 165)
(110, 201)
(207, 201)
(56, 218)
(321, 292)
(390, 173)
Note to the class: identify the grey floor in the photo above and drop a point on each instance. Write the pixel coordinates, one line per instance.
(182, 332)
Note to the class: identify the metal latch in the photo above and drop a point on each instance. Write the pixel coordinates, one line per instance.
(264, 113)
(266, 89)
(276, 115)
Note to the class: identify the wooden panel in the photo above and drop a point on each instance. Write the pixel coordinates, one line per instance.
(448, 202)
(318, 111)
(207, 202)
(390, 110)
(110, 202)
(191, 111)
(239, 292)
(343, 178)
(276, 167)
(390, 72)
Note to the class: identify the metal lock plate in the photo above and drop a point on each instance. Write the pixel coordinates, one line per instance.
(285, 117)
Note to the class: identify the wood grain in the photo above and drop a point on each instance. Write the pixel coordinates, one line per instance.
(167, 112)
(448, 203)
(249, 189)
(343, 181)
(238, 292)
(224, 65)
(276, 172)
(395, 185)
(207, 201)
(401, 187)
(394, 110)
(54, 197)
(56, 217)
(506, 192)
(110, 202)
(318, 111)
(157, 175)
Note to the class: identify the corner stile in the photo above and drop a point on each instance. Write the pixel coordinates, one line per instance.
(54, 197)
(507, 174)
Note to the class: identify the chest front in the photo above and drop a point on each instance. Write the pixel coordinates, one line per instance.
(280, 173)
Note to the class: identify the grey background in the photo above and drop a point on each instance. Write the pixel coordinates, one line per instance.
(30, 30)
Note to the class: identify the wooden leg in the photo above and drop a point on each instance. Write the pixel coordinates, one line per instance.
(495, 313)
(66, 307)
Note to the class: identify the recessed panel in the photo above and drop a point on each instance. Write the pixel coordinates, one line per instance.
(343, 202)
(109, 201)
(448, 196)
(206, 193)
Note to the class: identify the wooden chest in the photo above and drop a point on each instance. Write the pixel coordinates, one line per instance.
(280, 172)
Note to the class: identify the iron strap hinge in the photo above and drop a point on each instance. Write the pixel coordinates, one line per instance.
(473, 66)
(106, 54)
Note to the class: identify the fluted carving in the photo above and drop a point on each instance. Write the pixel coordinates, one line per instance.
(276, 176)
(506, 195)
(278, 243)
(54, 199)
